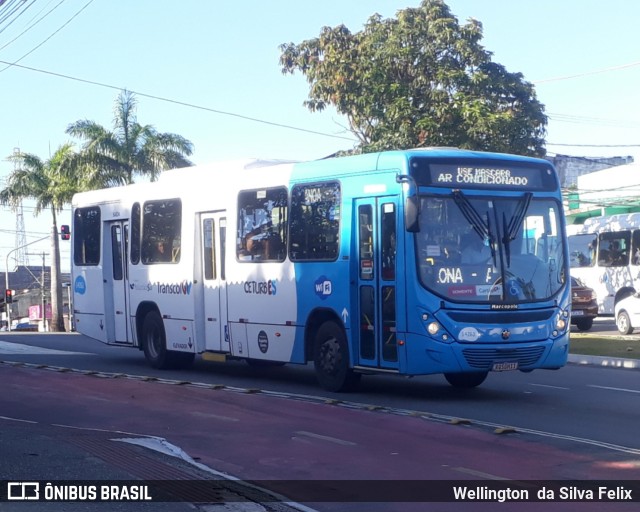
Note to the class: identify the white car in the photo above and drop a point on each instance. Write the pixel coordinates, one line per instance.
(627, 312)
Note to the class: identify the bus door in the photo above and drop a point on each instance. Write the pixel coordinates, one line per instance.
(213, 241)
(376, 278)
(116, 283)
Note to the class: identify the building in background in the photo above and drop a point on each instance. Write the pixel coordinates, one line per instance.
(32, 296)
(570, 168)
(605, 192)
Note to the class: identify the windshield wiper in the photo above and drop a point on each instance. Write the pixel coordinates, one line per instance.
(510, 232)
(471, 214)
(480, 226)
(490, 238)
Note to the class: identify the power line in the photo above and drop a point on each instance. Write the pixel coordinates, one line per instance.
(561, 117)
(176, 102)
(32, 25)
(54, 33)
(587, 73)
(594, 145)
(7, 15)
(569, 118)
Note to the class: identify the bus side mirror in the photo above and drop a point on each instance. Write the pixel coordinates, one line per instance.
(411, 214)
(65, 233)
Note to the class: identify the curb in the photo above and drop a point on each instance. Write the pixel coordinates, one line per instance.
(603, 361)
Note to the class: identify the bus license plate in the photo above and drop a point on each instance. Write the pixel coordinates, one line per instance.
(505, 367)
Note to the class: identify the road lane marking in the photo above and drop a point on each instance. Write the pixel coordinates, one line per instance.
(19, 349)
(17, 419)
(550, 386)
(429, 416)
(325, 438)
(614, 389)
(214, 416)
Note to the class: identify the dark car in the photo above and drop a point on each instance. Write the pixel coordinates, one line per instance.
(26, 327)
(584, 305)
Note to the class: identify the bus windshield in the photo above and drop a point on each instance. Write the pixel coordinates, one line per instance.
(490, 250)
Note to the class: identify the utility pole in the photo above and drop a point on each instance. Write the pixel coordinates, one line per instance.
(21, 237)
(6, 274)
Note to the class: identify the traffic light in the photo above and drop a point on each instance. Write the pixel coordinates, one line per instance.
(65, 233)
(8, 296)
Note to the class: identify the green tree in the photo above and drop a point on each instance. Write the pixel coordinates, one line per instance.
(420, 79)
(51, 183)
(131, 149)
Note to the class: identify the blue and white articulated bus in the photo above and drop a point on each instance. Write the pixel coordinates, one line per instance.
(430, 261)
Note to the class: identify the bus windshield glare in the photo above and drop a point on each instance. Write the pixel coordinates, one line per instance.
(490, 250)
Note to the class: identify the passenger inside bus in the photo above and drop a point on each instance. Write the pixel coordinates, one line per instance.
(474, 250)
(614, 256)
(161, 253)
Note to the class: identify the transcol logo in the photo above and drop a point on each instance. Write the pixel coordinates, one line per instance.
(183, 288)
(323, 287)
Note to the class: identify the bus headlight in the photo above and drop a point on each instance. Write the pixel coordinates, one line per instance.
(433, 328)
(562, 321)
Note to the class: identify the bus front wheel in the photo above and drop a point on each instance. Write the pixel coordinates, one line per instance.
(331, 359)
(466, 380)
(155, 345)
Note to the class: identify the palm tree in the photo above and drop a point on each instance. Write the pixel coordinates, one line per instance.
(51, 183)
(130, 149)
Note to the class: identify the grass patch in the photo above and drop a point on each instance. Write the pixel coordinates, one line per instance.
(611, 346)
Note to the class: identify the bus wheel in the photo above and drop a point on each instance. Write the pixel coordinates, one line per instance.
(331, 359)
(155, 341)
(465, 380)
(181, 360)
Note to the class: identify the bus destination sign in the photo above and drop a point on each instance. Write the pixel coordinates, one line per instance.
(487, 175)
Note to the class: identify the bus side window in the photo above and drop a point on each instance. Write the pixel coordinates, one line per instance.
(635, 247)
(615, 249)
(161, 229)
(314, 229)
(262, 225)
(135, 234)
(86, 239)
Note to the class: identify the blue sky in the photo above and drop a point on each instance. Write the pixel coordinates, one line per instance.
(582, 55)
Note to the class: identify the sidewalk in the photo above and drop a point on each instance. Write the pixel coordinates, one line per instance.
(39, 453)
(609, 362)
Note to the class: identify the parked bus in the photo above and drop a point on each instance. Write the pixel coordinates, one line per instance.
(432, 261)
(605, 256)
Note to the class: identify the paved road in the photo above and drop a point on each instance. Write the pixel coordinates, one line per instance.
(261, 436)
(266, 435)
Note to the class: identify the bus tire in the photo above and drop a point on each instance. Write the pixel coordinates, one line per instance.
(155, 342)
(466, 380)
(182, 360)
(331, 359)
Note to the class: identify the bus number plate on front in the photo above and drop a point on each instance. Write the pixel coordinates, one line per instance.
(504, 367)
